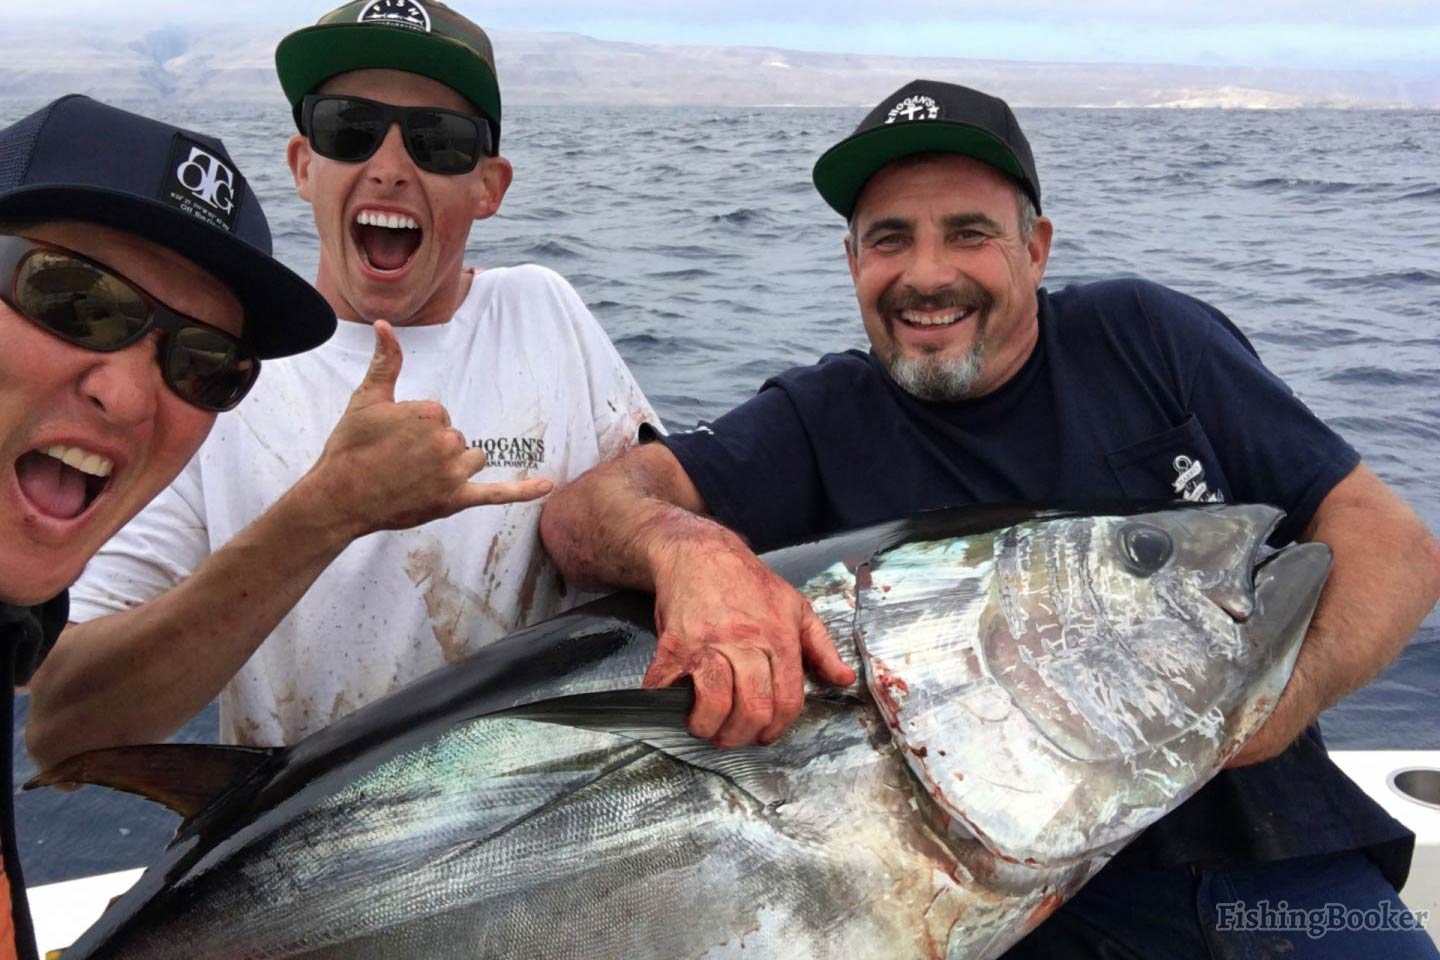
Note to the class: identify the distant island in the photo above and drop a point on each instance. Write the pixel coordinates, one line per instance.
(234, 64)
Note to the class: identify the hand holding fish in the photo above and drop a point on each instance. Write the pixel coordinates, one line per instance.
(390, 465)
(739, 632)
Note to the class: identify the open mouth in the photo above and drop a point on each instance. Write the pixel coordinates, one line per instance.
(62, 482)
(934, 319)
(387, 241)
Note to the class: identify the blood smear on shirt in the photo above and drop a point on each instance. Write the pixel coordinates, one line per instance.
(7, 921)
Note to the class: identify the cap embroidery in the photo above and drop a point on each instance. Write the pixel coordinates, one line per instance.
(914, 108)
(409, 14)
(201, 184)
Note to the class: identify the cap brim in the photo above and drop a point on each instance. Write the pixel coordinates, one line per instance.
(307, 58)
(284, 315)
(842, 171)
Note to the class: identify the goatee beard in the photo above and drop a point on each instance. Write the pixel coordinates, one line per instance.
(936, 378)
(930, 376)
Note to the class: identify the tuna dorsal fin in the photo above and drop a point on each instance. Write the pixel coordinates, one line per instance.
(186, 777)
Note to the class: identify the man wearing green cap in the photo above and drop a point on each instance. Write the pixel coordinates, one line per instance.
(330, 545)
(982, 387)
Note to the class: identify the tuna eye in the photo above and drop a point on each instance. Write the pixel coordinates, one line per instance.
(1144, 548)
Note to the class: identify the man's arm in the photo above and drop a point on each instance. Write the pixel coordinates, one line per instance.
(1385, 579)
(724, 618)
(138, 675)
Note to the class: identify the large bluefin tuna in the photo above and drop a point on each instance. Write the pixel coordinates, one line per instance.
(1036, 689)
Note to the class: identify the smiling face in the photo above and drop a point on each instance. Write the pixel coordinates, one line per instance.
(945, 280)
(392, 236)
(87, 438)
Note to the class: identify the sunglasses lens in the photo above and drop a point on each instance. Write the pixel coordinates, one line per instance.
(208, 369)
(442, 142)
(346, 130)
(78, 302)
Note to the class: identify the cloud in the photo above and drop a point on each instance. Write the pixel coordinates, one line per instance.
(1303, 33)
(554, 14)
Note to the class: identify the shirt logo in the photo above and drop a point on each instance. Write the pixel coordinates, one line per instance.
(914, 108)
(1190, 482)
(200, 183)
(397, 13)
(522, 453)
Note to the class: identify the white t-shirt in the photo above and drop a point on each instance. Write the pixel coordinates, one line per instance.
(522, 368)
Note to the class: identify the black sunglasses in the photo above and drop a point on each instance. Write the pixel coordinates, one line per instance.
(90, 305)
(351, 129)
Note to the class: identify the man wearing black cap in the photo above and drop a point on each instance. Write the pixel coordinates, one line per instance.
(330, 545)
(137, 299)
(980, 387)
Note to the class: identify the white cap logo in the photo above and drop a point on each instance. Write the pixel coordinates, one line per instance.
(914, 108)
(209, 179)
(410, 14)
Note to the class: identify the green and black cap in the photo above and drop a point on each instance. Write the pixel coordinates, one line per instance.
(417, 36)
(926, 116)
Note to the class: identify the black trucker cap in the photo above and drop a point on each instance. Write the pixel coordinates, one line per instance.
(926, 116)
(79, 159)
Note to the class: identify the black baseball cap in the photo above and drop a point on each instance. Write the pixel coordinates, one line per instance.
(417, 36)
(79, 159)
(926, 116)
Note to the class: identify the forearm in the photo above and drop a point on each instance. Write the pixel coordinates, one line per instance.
(1385, 580)
(619, 523)
(137, 676)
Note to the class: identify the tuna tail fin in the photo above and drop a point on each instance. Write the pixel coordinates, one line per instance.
(186, 777)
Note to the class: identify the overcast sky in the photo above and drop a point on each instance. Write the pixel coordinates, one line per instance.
(1400, 34)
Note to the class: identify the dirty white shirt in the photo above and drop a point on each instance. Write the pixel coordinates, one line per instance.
(524, 370)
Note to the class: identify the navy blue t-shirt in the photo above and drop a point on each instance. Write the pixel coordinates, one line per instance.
(1133, 392)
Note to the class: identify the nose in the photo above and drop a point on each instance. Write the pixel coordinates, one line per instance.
(390, 166)
(125, 385)
(931, 266)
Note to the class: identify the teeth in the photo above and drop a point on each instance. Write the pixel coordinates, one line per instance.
(932, 320)
(391, 221)
(91, 463)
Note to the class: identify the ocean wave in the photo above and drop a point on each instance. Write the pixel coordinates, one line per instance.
(1301, 185)
(1370, 376)
(550, 250)
(1394, 280)
(1429, 193)
(744, 216)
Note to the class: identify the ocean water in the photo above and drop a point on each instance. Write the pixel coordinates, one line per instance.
(696, 238)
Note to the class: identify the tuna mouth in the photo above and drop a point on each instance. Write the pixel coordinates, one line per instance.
(386, 241)
(1235, 550)
(62, 482)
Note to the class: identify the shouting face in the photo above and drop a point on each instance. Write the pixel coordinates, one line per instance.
(392, 236)
(945, 275)
(89, 438)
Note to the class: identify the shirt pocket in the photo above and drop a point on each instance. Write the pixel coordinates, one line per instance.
(1178, 464)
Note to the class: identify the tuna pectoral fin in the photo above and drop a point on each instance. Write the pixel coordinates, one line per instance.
(186, 777)
(657, 718)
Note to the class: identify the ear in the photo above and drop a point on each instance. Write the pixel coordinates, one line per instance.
(1038, 248)
(493, 179)
(852, 255)
(298, 156)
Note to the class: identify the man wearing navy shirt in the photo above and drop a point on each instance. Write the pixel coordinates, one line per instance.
(981, 387)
